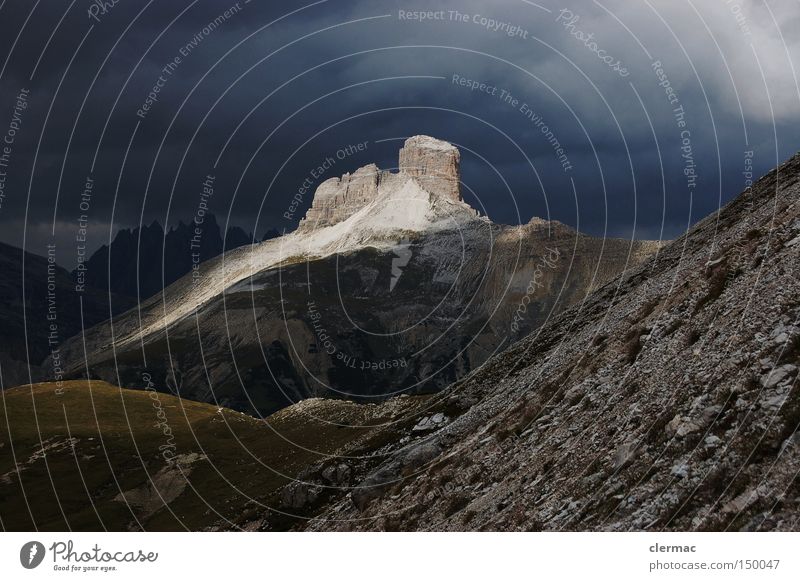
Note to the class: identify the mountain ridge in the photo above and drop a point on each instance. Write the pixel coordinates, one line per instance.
(141, 261)
(449, 306)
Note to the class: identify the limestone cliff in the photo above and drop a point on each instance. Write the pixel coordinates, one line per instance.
(432, 163)
(435, 164)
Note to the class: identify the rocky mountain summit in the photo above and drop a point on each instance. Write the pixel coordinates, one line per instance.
(391, 284)
(667, 400)
(434, 165)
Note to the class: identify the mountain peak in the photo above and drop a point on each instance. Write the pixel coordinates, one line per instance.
(436, 164)
(432, 163)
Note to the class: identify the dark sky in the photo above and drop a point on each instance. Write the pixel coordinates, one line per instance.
(263, 97)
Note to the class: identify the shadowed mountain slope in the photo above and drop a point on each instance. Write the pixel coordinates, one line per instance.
(668, 400)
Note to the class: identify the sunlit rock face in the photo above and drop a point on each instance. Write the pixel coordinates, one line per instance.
(337, 199)
(432, 163)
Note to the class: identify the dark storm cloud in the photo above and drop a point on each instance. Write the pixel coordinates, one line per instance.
(344, 72)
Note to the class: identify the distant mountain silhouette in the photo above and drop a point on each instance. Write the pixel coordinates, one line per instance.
(270, 234)
(142, 261)
(40, 307)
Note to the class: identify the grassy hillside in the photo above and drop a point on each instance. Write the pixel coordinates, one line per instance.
(94, 456)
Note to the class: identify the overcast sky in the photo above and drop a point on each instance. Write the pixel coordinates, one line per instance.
(265, 95)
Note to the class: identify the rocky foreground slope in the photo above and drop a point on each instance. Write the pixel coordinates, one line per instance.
(668, 400)
(392, 283)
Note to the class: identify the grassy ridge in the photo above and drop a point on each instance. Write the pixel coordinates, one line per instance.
(93, 457)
